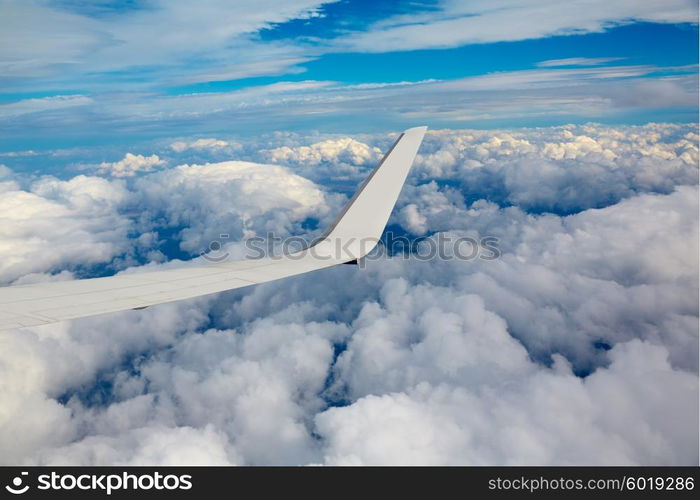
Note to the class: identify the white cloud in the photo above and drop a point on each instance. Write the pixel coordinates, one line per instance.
(457, 23)
(234, 197)
(543, 94)
(18, 154)
(89, 221)
(60, 223)
(339, 159)
(577, 61)
(412, 220)
(563, 168)
(180, 146)
(130, 165)
(172, 39)
(25, 48)
(545, 417)
(148, 445)
(286, 63)
(44, 104)
(344, 150)
(578, 346)
(172, 43)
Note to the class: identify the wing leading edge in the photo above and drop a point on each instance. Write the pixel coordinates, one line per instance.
(351, 236)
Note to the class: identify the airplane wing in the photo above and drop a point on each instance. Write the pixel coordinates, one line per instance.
(352, 236)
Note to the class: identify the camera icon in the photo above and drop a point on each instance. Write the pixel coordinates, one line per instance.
(16, 487)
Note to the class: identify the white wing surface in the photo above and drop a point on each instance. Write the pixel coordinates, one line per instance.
(352, 236)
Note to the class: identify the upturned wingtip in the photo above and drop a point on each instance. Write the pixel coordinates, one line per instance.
(422, 129)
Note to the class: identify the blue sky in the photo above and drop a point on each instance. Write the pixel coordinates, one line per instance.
(85, 74)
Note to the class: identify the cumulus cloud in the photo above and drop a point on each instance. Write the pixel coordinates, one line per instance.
(563, 169)
(540, 417)
(86, 222)
(130, 165)
(412, 220)
(340, 158)
(236, 198)
(57, 224)
(345, 150)
(571, 284)
(577, 346)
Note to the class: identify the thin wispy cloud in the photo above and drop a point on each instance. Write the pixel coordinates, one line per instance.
(482, 21)
(578, 61)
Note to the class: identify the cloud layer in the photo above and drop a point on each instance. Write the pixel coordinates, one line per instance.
(577, 346)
